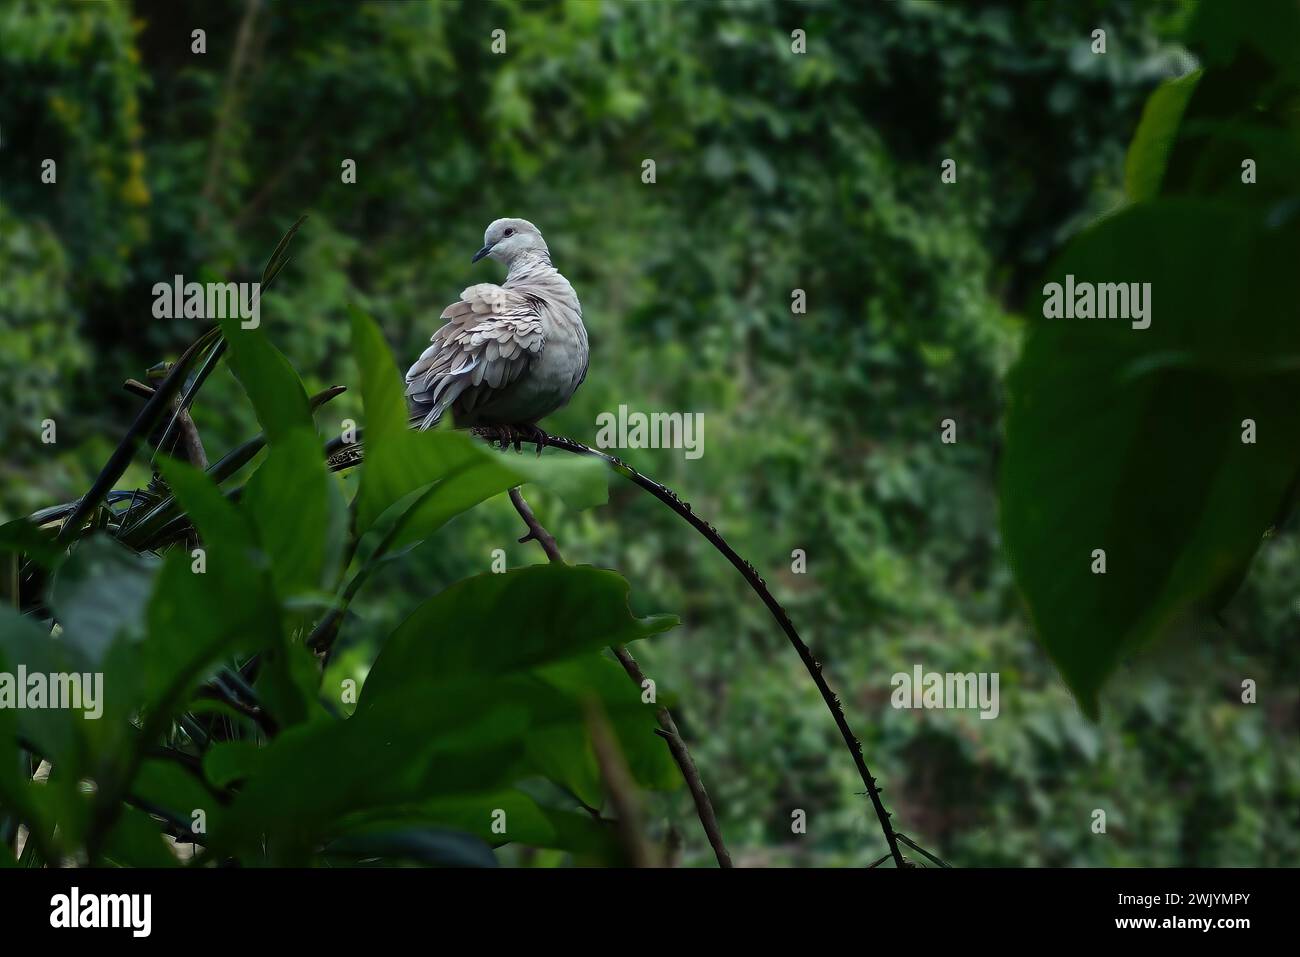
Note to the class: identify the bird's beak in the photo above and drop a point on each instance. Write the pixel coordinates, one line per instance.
(481, 253)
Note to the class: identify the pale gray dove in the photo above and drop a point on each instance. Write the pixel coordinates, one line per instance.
(508, 355)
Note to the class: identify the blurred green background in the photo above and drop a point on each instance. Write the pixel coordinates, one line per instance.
(775, 172)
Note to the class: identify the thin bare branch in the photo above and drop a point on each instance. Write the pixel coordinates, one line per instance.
(683, 509)
(536, 533)
(189, 440)
(668, 727)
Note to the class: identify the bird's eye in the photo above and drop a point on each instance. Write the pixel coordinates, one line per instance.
(510, 232)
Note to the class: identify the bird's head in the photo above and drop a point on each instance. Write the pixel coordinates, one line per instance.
(507, 239)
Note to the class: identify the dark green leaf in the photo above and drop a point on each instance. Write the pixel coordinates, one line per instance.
(495, 624)
(271, 383)
(299, 514)
(100, 592)
(195, 618)
(1130, 440)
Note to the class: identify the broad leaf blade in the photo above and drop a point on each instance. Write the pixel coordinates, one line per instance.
(1130, 440)
(496, 624)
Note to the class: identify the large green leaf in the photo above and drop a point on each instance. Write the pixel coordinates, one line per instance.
(299, 515)
(198, 617)
(101, 592)
(228, 761)
(165, 784)
(396, 464)
(634, 722)
(1130, 440)
(291, 499)
(546, 625)
(484, 685)
(457, 738)
(494, 624)
(270, 381)
(441, 755)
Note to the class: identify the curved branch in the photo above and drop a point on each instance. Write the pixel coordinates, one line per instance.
(190, 443)
(668, 727)
(683, 509)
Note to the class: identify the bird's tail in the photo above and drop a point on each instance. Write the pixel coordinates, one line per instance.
(426, 415)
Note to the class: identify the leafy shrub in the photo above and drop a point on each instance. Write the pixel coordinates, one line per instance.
(200, 603)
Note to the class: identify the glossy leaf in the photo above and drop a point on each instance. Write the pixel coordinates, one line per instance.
(1131, 440)
(494, 624)
(100, 592)
(298, 513)
(195, 618)
(270, 381)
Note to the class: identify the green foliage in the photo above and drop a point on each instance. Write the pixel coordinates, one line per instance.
(88, 120)
(776, 172)
(292, 499)
(462, 709)
(39, 346)
(573, 610)
(1172, 448)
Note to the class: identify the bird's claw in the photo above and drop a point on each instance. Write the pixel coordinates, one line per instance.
(532, 433)
(494, 435)
(505, 436)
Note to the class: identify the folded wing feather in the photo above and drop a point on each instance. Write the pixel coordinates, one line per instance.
(491, 335)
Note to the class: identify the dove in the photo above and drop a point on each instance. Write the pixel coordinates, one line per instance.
(508, 355)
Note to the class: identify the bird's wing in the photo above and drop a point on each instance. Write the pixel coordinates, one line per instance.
(491, 335)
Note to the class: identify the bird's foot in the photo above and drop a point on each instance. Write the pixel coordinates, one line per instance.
(532, 433)
(495, 434)
(516, 435)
